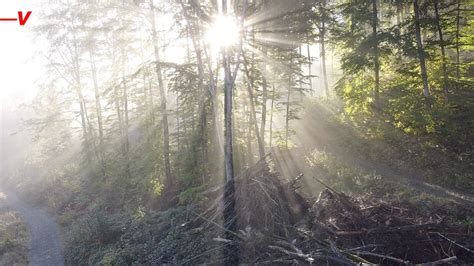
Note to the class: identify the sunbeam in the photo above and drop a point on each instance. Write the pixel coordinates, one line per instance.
(236, 132)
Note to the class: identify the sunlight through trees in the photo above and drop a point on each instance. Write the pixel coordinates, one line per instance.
(159, 114)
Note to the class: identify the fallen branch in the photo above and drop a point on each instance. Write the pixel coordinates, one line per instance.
(455, 243)
(310, 258)
(442, 261)
(366, 253)
(387, 229)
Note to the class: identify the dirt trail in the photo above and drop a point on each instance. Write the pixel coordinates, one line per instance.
(316, 132)
(45, 244)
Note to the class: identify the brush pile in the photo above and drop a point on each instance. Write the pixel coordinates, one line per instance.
(278, 225)
(389, 232)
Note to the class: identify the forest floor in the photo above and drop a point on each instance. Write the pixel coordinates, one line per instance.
(44, 245)
(379, 206)
(316, 132)
(388, 198)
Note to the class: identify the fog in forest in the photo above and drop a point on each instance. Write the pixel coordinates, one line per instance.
(150, 132)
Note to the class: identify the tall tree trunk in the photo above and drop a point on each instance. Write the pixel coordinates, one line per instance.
(118, 103)
(98, 113)
(421, 52)
(399, 11)
(213, 81)
(118, 110)
(287, 118)
(376, 52)
(264, 98)
(178, 126)
(216, 121)
(230, 215)
(300, 67)
(458, 26)
(145, 103)
(322, 34)
(231, 250)
(322, 42)
(82, 110)
(204, 95)
(164, 111)
(152, 104)
(250, 82)
(443, 53)
(126, 142)
(272, 107)
(97, 100)
(250, 121)
(264, 88)
(402, 14)
(81, 100)
(146, 97)
(309, 65)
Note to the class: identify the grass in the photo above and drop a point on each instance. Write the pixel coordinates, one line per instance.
(13, 237)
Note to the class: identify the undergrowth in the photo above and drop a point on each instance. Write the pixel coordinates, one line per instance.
(148, 238)
(13, 237)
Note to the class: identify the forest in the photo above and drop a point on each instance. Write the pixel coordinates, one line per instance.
(327, 132)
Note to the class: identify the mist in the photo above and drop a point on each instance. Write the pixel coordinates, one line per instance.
(236, 132)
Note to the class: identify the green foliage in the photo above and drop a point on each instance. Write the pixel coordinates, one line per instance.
(343, 176)
(99, 126)
(155, 238)
(13, 237)
(192, 194)
(157, 187)
(388, 150)
(402, 102)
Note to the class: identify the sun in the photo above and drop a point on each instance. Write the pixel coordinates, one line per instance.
(223, 32)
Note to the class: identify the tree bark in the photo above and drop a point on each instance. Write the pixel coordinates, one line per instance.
(399, 11)
(230, 215)
(126, 143)
(272, 111)
(323, 59)
(376, 52)
(98, 113)
(152, 104)
(118, 110)
(164, 112)
(309, 66)
(322, 36)
(97, 100)
(250, 121)
(458, 25)
(264, 99)
(443, 53)
(231, 250)
(204, 95)
(253, 115)
(421, 51)
(81, 100)
(287, 118)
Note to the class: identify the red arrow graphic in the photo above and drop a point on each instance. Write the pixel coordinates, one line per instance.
(20, 18)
